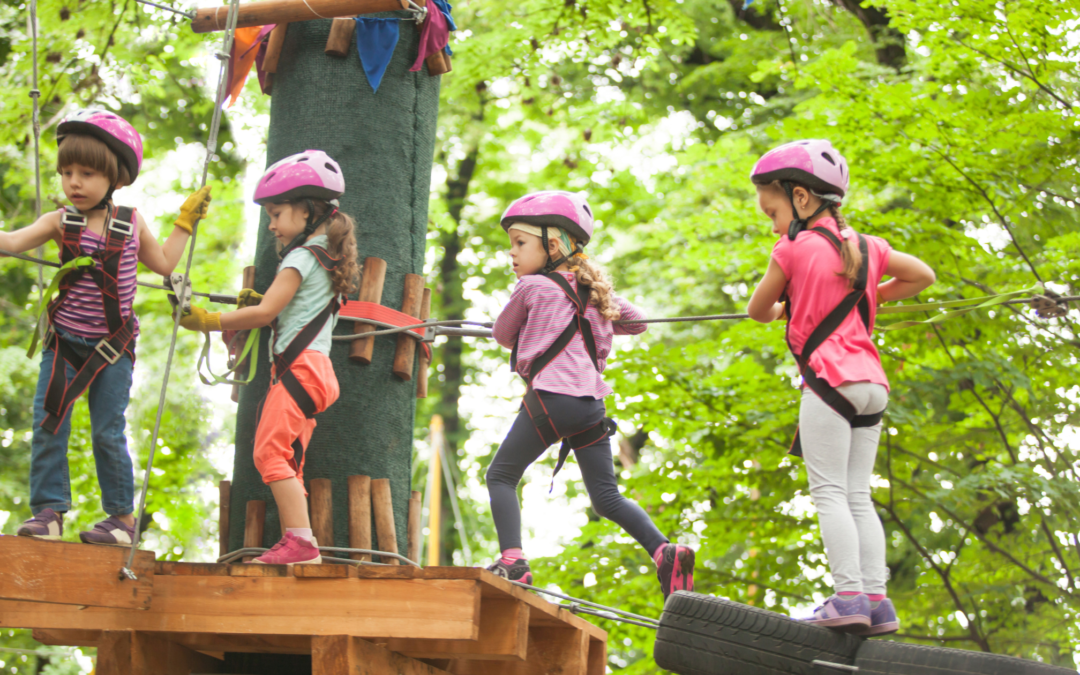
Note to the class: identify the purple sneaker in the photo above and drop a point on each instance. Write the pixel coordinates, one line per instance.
(883, 621)
(845, 613)
(110, 532)
(46, 525)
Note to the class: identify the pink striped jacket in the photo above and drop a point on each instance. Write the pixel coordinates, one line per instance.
(537, 313)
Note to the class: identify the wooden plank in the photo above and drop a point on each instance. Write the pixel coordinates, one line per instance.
(504, 635)
(114, 653)
(371, 287)
(386, 572)
(346, 655)
(74, 574)
(341, 37)
(552, 651)
(224, 493)
(388, 608)
(200, 569)
(209, 19)
(383, 506)
(359, 515)
(416, 526)
(203, 642)
(254, 522)
(405, 351)
(255, 570)
(597, 657)
(67, 638)
(156, 655)
(321, 571)
(322, 512)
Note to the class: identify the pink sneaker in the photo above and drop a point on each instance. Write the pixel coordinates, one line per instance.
(291, 550)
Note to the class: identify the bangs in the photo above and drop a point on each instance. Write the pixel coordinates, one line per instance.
(90, 152)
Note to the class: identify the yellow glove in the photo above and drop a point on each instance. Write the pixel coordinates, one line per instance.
(248, 298)
(193, 210)
(201, 320)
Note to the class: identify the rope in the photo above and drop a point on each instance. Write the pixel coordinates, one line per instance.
(35, 95)
(211, 146)
(189, 15)
(573, 608)
(254, 550)
(587, 604)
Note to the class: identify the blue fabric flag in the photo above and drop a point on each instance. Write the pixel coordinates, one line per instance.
(375, 43)
(445, 8)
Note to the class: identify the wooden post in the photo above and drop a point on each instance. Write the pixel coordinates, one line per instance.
(273, 49)
(254, 522)
(416, 527)
(224, 490)
(246, 281)
(371, 287)
(405, 354)
(322, 513)
(384, 517)
(435, 490)
(359, 515)
(425, 360)
(341, 36)
(209, 19)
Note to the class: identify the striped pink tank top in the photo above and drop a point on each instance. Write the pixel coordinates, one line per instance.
(82, 313)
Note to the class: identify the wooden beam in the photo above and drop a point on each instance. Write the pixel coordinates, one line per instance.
(266, 12)
(372, 280)
(597, 657)
(128, 652)
(73, 574)
(552, 651)
(504, 635)
(202, 642)
(347, 655)
(383, 608)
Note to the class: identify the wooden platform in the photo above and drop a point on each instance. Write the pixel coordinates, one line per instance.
(398, 620)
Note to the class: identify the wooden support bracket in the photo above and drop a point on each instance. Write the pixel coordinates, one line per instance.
(41, 571)
(126, 652)
(346, 655)
(266, 12)
(504, 636)
(371, 288)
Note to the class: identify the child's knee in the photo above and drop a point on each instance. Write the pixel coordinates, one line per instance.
(497, 475)
(272, 464)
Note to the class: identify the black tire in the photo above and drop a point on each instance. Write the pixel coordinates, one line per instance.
(879, 657)
(703, 635)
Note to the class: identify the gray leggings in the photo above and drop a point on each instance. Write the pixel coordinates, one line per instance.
(523, 446)
(839, 462)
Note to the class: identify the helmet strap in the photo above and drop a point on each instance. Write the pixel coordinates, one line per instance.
(799, 224)
(106, 201)
(552, 263)
(312, 225)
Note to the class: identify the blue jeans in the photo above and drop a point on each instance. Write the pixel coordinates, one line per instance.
(50, 482)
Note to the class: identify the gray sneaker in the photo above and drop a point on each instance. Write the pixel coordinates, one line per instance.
(883, 621)
(47, 524)
(110, 532)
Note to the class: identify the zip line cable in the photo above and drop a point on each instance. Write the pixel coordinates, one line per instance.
(178, 12)
(35, 95)
(211, 148)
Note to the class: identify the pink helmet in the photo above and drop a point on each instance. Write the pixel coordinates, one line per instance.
(813, 163)
(109, 128)
(311, 174)
(553, 208)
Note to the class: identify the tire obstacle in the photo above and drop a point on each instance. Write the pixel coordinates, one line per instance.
(705, 635)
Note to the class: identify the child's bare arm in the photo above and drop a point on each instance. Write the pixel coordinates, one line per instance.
(280, 293)
(909, 275)
(160, 258)
(765, 305)
(44, 229)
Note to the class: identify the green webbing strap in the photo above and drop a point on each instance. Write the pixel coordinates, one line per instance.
(81, 261)
(249, 352)
(984, 302)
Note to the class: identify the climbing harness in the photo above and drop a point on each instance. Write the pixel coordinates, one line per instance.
(856, 299)
(239, 356)
(534, 405)
(119, 228)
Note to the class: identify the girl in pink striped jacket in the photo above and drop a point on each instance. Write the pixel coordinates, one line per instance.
(559, 325)
(90, 345)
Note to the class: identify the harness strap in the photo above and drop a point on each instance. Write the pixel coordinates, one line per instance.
(61, 394)
(854, 299)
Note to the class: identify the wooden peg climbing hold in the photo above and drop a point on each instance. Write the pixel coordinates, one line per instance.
(371, 287)
(359, 515)
(322, 512)
(224, 493)
(425, 358)
(341, 36)
(405, 354)
(254, 521)
(273, 48)
(416, 529)
(384, 518)
(437, 64)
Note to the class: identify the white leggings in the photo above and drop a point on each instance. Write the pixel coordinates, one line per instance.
(839, 462)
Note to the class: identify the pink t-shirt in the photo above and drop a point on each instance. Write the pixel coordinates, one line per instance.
(810, 264)
(537, 313)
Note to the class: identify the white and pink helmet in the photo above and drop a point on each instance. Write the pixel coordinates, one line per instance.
(553, 208)
(111, 129)
(813, 163)
(311, 174)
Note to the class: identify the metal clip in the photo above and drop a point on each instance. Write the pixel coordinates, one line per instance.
(429, 334)
(127, 575)
(181, 292)
(108, 352)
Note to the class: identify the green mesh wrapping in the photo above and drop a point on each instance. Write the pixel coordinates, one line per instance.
(385, 143)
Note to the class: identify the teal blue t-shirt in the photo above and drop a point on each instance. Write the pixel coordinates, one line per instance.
(316, 289)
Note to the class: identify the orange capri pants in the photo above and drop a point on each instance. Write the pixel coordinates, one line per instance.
(282, 422)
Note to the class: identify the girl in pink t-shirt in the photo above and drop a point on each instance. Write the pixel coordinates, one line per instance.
(826, 280)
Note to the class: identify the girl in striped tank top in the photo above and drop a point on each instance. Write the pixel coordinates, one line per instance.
(90, 345)
(559, 325)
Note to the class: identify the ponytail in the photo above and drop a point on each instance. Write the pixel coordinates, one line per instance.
(341, 231)
(849, 249)
(588, 273)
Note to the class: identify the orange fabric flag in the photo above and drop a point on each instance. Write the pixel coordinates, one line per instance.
(244, 50)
